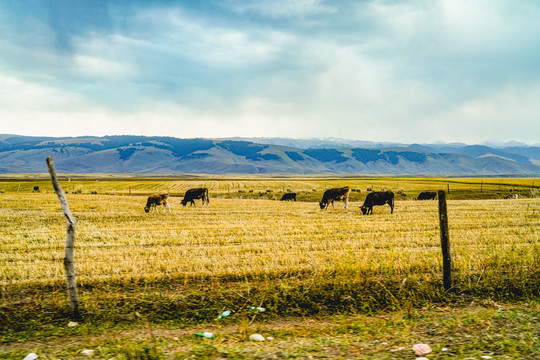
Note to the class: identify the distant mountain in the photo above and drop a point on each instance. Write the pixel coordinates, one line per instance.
(313, 143)
(476, 151)
(168, 155)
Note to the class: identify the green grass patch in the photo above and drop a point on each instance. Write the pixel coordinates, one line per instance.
(481, 328)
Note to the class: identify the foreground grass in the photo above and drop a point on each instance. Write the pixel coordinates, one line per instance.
(176, 272)
(502, 331)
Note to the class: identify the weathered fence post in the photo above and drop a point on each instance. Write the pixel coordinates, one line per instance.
(69, 265)
(448, 188)
(448, 278)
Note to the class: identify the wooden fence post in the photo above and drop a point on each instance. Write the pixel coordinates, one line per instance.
(69, 265)
(448, 278)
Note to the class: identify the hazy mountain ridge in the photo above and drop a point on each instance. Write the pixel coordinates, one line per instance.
(168, 155)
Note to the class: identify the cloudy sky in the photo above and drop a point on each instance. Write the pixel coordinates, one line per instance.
(407, 71)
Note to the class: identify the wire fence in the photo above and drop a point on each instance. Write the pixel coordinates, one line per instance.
(410, 245)
(42, 269)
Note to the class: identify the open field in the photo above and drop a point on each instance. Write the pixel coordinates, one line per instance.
(309, 188)
(245, 249)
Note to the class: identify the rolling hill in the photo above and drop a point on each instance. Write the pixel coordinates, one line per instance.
(168, 155)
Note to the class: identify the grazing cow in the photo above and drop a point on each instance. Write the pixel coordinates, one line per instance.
(288, 197)
(193, 194)
(512, 196)
(378, 198)
(335, 194)
(155, 200)
(427, 195)
(36, 189)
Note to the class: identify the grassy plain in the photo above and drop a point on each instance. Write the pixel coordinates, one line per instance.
(248, 249)
(309, 188)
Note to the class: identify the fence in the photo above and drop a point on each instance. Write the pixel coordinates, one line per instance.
(116, 241)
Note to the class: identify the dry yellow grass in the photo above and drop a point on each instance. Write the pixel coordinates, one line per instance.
(116, 240)
(123, 185)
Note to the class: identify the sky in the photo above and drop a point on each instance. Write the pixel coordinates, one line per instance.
(398, 71)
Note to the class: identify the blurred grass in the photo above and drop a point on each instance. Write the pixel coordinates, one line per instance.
(502, 331)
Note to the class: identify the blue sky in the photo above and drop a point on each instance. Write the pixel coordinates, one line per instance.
(406, 71)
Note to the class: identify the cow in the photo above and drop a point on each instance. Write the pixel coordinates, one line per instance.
(193, 194)
(155, 200)
(335, 194)
(36, 189)
(427, 195)
(511, 196)
(288, 197)
(378, 198)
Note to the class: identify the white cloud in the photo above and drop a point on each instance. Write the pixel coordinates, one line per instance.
(457, 27)
(512, 111)
(421, 71)
(280, 8)
(174, 33)
(97, 66)
(18, 95)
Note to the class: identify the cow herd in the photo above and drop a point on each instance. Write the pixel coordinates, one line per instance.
(329, 196)
(156, 200)
(373, 198)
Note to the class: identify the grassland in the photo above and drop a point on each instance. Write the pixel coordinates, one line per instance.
(309, 188)
(248, 249)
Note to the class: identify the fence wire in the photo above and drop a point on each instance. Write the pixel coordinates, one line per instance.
(254, 235)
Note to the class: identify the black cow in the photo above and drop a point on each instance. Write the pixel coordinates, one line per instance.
(335, 194)
(378, 198)
(427, 195)
(193, 194)
(155, 200)
(288, 197)
(36, 188)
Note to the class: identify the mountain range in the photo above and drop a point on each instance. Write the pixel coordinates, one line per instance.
(169, 155)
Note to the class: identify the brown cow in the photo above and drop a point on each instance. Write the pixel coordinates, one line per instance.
(193, 194)
(155, 200)
(427, 195)
(335, 194)
(378, 198)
